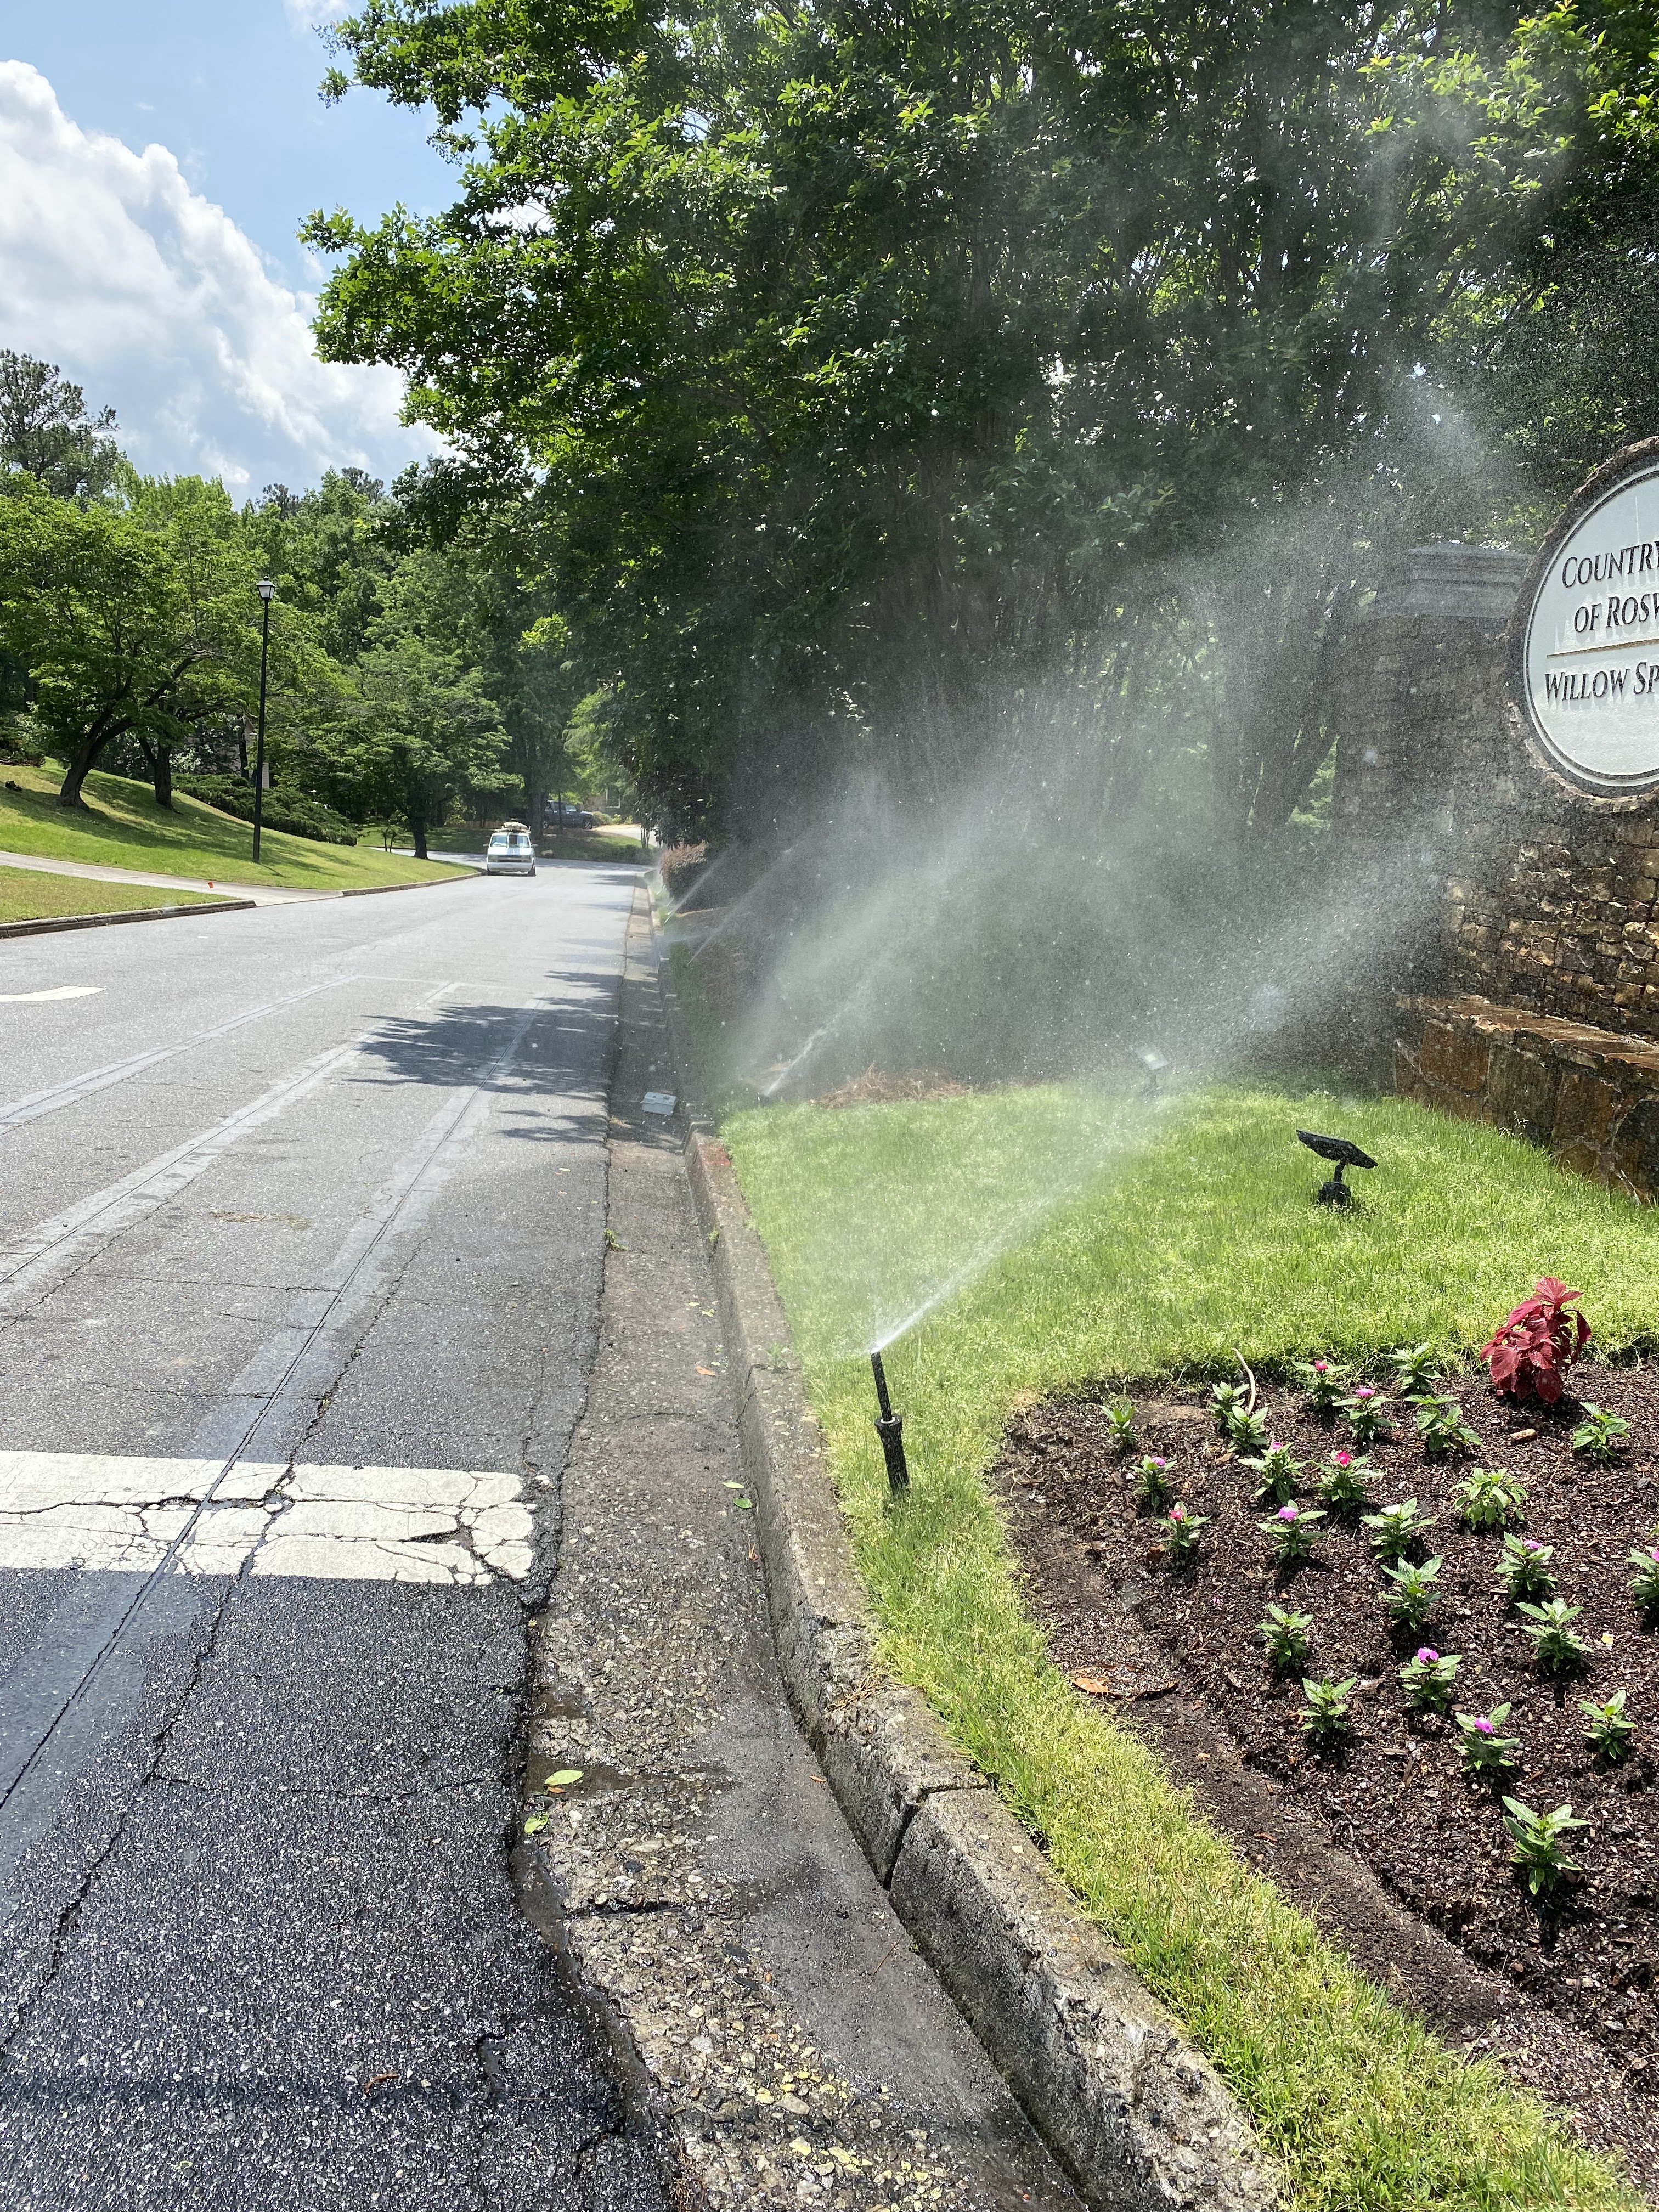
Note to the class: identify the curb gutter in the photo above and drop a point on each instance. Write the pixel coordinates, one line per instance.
(1133, 2112)
(136, 913)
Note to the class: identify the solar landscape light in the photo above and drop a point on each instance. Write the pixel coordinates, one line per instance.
(890, 1427)
(1346, 1154)
(1156, 1066)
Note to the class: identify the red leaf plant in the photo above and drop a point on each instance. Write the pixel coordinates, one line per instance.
(1528, 1355)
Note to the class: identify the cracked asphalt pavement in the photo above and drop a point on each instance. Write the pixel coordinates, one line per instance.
(301, 1232)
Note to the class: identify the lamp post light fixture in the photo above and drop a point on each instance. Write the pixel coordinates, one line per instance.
(267, 593)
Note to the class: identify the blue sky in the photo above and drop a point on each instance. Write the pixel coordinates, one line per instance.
(156, 157)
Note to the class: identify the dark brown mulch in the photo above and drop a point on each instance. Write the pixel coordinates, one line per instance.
(1398, 1855)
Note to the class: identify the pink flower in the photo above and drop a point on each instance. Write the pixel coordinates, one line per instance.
(1483, 1728)
(1529, 1544)
(1365, 1391)
(1278, 1445)
(1343, 1459)
(1287, 1513)
(1321, 1367)
(1157, 1462)
(1654, 1555)
(1428, 1656)
(1177, 1511)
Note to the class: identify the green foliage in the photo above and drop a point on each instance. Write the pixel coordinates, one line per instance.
(1412, 1595)
(46, 429)
(1415, 1369)
(1489, 1498)
(1440, 1425)
(1324, 1382)
(1556, 1643)
(1395, 1528)
(1181, 1529)
(1611, 1731)
(1292, 1533)
(1324, 1714)
(1486, 1749)
(1535, 1845)
(1366, 1415)
(1152, 1488)
(1283, 1633)
(1429, 1678)
(1120, 1418)
(1345, 1481)
(1524, 1568)
(282, 809)
(1276, 1473)
(1600, 1437)
(1644, 1583)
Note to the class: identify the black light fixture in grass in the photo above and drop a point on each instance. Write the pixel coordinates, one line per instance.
(890, 1427)
(1346, 1154)
(1155, 1067)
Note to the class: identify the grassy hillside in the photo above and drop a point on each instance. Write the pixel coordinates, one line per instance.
(123, 828)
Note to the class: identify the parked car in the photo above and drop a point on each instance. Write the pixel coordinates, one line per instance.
(567, 814)
(510, 852)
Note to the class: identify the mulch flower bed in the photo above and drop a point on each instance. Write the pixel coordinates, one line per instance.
(1392, 1787)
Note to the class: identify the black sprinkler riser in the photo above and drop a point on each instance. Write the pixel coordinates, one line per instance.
(890, 1427)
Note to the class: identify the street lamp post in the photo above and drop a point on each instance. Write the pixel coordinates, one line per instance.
(267, 593)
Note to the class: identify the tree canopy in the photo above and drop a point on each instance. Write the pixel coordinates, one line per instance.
(874, 383)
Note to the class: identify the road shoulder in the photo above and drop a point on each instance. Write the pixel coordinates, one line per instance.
(790, 2043)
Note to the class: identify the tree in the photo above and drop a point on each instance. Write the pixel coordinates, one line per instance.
(128, 622)
(46, 428)
(894, 384)
(427, 729)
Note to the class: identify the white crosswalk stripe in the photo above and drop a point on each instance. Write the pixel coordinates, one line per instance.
(119, 1514)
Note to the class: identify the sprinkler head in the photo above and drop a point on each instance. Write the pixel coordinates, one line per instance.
(890, 1427)
(1346, 1154)
(1156, 1066)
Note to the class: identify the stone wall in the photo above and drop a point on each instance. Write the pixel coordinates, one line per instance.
(1589, 1097)
(1501, 881)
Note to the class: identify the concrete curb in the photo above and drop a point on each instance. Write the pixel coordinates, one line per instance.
(137, 914)
(425, 883)
(1135, 2116)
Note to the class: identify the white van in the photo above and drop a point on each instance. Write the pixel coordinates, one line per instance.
(510, 852)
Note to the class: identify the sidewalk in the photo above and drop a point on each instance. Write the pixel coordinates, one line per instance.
(795, 2049)
(261, 894)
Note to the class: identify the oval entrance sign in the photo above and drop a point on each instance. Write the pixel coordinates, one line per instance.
(1589, 653)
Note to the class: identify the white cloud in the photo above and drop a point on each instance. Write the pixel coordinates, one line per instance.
(306, 15)
(152, 299)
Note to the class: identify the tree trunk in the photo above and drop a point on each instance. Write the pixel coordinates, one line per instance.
(160, 760)
(80, 767)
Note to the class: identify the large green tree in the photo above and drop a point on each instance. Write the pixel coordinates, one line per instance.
(900, 383)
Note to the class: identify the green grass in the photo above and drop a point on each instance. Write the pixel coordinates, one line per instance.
(125, 829)
(25, 895)
(1134, 1245)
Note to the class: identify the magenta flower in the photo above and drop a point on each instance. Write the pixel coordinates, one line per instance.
(1365, 1390)
(1157, 1462)
(1428, 1656)
(1286, 1513)
(1530, 1544)
(1343, 1459)
(1483, 1728)
(1177, 1511)
(1321, 1367)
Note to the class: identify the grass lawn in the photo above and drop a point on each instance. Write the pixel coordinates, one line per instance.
(28, 895)
(125, 829)
(1106, 1240)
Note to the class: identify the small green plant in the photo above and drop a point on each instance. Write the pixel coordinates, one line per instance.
(1600, 1437)
(1416, 1369)
(1366, 1415)
(1227, 1399)
(1413, 1593)
(1395, 1528)
(1324, 1716)
(1291, 1533)
(1181, 1531)
(1486, 1750)
(1556, 1642)
(1121, 1424)
(1490, 1498)
(1276, 1473)
(1444, 1432)
(1284, 1634)
(1611, 1730)
(1644, 1583)
(1428, 1679)
(1524, 1570)
(1152, 1488)
(1247, 1432)
(1535, 1843)
(1324, 1383)
(1345, 1481)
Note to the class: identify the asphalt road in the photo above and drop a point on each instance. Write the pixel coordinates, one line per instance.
(302, 1222)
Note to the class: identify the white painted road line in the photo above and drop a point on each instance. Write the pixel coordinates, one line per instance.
(120, 1515)
(41, 998)
(99, 1078)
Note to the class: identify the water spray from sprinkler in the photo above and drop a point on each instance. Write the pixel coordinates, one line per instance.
(890, 1427)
